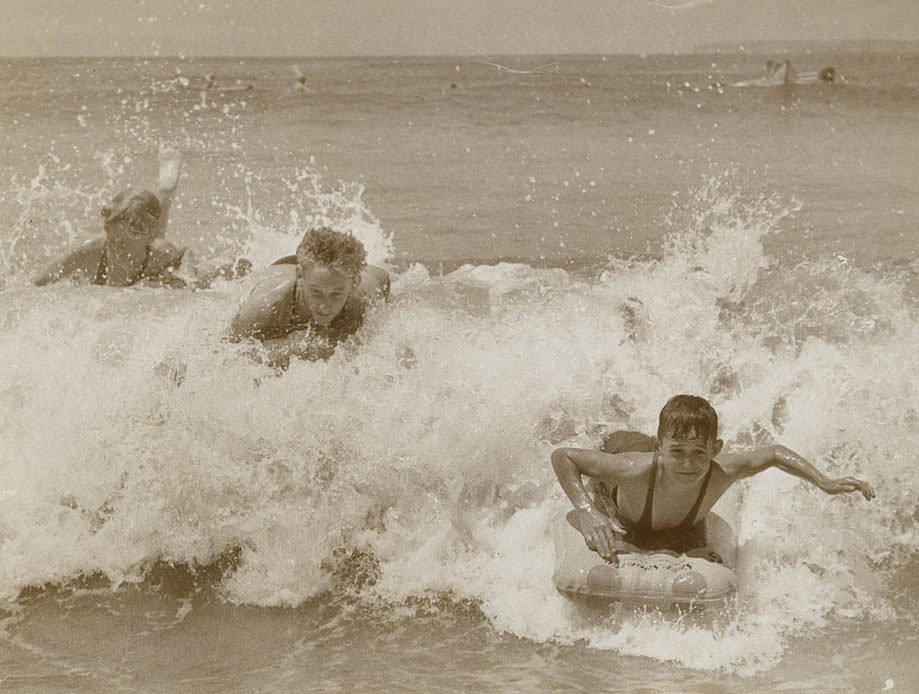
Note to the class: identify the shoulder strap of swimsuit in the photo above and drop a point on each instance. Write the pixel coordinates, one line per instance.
(102, 270)
(644, 523)
(689, 521)
(143, 268)
(296, 321)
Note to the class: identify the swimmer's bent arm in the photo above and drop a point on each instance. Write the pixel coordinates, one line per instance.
(263, 316)
(747, 464)
(260, 315)
(598, 529)
(170, 165)
(178, 266)
(374, 283)
(277, 351)
(168, 264)
(84, 257)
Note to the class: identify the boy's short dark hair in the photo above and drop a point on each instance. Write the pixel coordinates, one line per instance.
(333, 248)
(688, 417)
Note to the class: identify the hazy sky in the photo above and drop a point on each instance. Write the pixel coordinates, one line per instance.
(424, 27)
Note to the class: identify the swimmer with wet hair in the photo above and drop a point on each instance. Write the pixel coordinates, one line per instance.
(133, 249)
(333, 249)
(303, 305)
(656, 496)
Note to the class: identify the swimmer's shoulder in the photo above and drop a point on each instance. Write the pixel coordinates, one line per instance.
(267, 308)
(273, 281)
(82, 259)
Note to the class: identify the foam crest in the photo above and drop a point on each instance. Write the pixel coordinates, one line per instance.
(309, 201)
(49, 211)
(416, 464)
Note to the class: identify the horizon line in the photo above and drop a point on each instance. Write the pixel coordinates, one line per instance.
(704, 49)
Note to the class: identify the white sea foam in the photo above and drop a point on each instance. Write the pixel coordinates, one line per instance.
(427, 447)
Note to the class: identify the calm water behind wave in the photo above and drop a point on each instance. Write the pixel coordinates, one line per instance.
(462, 161)
(775, 241)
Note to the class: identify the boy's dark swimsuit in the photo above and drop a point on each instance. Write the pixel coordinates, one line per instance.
(685, 537)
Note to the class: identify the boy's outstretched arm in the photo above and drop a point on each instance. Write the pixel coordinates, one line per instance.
(598, 529)
(788, 461)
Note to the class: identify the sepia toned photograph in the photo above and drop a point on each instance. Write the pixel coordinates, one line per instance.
(438, 347)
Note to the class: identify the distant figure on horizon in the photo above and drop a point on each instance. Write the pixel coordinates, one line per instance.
(790, 74)
(301, 81)
(780, 72)
(211, 85)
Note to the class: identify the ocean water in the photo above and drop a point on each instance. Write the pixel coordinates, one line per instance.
(380, 521)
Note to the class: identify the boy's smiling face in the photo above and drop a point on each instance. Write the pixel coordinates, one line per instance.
(688, 456)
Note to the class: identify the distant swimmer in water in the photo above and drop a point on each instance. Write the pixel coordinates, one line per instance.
(780, 72)
(305, 305)
(657, 500)
(210, 84)
(132, 249)
(301, 81)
